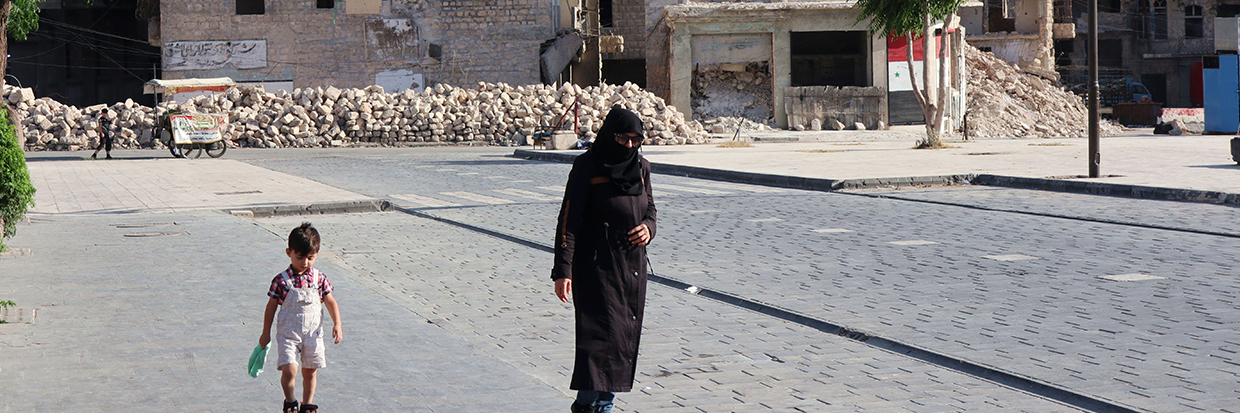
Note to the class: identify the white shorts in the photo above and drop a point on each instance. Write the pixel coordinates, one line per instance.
(308, 350)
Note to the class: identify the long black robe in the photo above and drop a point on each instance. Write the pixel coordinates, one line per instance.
(608, 273)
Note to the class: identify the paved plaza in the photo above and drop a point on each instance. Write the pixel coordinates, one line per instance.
(139, 288)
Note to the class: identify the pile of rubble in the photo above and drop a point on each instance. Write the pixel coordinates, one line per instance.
(487, 113)
(732, 90)
(48, 124)
(1007, 103)
(728, 125)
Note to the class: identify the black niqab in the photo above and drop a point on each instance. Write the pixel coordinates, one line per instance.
(614, 160)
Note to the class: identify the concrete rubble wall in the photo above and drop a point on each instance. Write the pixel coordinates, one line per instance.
(314, 117)
(1005, 102)
(833, 107)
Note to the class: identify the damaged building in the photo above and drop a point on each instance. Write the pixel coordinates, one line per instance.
(1158, 43)
(399, 44)
(1021, 32)
(769, 62)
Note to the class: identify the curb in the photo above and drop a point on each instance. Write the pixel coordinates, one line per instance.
(783, 181)
(821, 184)
(345, 207)
(1108, 189)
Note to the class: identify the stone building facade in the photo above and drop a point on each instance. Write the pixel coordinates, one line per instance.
(760, 51)
(397, 44)
(1158, 43)
(1018, 31)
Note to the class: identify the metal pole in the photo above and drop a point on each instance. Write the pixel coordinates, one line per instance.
(1095, 158)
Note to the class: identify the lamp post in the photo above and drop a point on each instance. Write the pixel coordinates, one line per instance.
(1095, 159)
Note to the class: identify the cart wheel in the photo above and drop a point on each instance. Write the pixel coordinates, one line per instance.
(190, 150)
(217, 149)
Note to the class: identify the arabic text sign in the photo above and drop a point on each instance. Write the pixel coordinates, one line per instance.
(198, 128)
(241, 54)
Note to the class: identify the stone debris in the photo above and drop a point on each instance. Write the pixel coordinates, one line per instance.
(733, 90)
(728, 125)
(487, 113)
(1007, 103)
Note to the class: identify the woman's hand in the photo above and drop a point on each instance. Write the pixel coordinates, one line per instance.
(563, 287)
(639, 235)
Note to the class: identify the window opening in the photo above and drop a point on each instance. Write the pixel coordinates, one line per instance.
(1194, 27)
(1158, 19)
(829, 58)
(605, 15)
(996, 13)
(251, 7)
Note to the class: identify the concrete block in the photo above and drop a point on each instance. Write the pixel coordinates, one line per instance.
(561, 140)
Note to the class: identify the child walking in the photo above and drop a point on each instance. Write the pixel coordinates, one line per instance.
(300, 293)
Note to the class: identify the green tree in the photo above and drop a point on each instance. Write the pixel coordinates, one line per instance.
(919, 18)
(16, 193)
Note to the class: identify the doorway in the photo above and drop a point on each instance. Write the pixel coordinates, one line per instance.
(829, 58)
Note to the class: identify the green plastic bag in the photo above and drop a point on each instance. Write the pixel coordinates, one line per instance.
(256, 360)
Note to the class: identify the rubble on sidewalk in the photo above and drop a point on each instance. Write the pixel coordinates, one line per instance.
(728, 125)
(1005, 102)
(732, 90)
(310, 117)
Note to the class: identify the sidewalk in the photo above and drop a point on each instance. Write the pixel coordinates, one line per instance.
(67, 185)
(1152, 166)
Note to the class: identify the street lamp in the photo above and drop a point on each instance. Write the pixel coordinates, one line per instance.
(1092, 45)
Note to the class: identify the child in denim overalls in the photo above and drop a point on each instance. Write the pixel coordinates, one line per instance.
(300, 293)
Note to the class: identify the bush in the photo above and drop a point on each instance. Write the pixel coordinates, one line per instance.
(16, 192)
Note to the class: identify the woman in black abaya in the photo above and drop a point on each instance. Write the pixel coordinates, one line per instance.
(606, 219)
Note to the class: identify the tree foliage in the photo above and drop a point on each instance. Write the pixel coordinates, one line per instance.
(16, 192)
(23, 18)
(900, 17)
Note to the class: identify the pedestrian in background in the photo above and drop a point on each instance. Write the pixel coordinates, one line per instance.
(606, 220)
(105, 135)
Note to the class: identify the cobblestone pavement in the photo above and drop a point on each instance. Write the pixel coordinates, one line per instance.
(159, 312)
(1020, 293)
(698, 355)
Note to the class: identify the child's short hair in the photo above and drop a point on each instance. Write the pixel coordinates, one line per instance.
(304, 239)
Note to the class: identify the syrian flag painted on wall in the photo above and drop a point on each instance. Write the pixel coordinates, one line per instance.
(897, 62)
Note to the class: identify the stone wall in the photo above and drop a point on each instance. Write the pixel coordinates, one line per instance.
(489, 40)
(629, 20)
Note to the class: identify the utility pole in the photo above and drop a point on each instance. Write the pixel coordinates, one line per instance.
(1092, 43)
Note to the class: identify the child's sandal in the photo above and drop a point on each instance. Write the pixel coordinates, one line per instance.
(290, 407)
(310, 408)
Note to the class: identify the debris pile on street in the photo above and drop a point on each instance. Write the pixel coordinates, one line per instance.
(732, 90)
(1007, 103)
(311, 117)
(728, 125)
(48, 124)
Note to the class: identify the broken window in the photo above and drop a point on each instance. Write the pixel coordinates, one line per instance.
(251, 7)
(829, 58)
(1111, 52)
(325, 4)
(997, 20)
(1193, 25)
(1009, 9)
(1158, 19)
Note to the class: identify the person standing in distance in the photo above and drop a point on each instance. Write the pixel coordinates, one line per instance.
(606, 220)
(105, 135)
